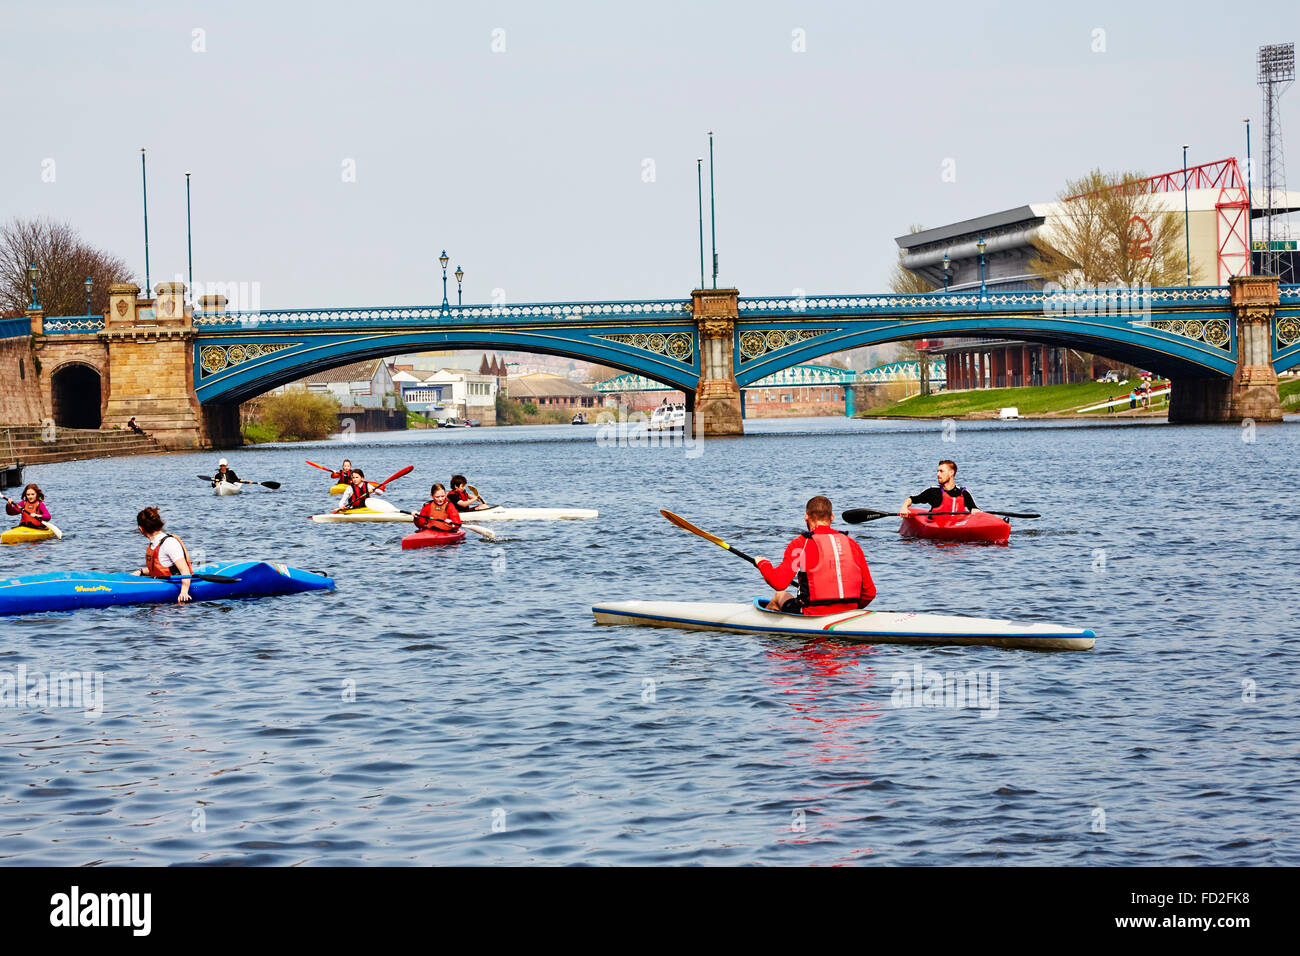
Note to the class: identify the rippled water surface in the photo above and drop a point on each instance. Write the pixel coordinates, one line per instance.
(493, 722)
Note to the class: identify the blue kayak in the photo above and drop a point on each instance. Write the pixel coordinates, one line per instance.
(69, 590)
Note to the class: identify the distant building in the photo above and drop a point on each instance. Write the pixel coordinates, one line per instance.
(465, 394)
(551, 391)
(367, 384)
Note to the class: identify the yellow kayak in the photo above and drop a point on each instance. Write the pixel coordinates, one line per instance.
(338, 489)
(21, 535)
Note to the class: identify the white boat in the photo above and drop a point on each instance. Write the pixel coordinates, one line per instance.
(227, 488)
(503, 513)
(1009, 414)
(864, 626)
(668, 418)
(380, 510)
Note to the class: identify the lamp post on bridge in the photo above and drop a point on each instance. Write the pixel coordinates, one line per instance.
(981, 246)
(32, 272)
(460, 275)
(1250, 208)
(90, 284)
(947, 266)
(444, 259)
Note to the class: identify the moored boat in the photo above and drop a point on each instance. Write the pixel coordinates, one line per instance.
(864, 626)
(979, 528)
(70, 590)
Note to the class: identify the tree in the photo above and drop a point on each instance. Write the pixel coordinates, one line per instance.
(906, 282)
(1111, 230)
(301, 415)
(63, 261)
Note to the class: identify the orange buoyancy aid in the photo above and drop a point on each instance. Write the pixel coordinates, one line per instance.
(29, 515)
(438, 517)
(153, 566)
(835, 577)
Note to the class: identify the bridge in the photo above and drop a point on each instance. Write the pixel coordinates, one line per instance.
(797, 376)
(182, 373)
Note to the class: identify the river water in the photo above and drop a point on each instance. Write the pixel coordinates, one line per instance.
(459, 705)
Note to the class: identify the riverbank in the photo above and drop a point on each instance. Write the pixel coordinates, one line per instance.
(35, 445)
(1038, 401)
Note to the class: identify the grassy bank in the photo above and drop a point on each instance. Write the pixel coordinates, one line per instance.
(1289, 391)
(1035, 400)
(256, 434)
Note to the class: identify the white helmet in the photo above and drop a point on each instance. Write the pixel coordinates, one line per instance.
(222, 462)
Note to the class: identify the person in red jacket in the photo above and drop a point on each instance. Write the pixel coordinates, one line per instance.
(440, 514)
(828, 565)
(30, 508)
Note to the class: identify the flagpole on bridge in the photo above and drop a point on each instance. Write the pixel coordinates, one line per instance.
(189, 244)
(713, 214)
(699, 189)
(144, 180)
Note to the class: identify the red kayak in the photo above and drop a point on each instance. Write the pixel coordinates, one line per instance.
(431, 538)
(982, 528)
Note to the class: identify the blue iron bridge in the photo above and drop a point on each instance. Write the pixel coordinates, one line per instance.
(798, 376)
(1176, 332)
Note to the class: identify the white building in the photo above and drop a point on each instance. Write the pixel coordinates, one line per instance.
(466, 394)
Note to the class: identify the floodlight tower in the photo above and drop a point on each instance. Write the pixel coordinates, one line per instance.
(1276, 73)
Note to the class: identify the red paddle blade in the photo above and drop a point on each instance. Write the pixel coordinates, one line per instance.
(406, 470)
(321, 467)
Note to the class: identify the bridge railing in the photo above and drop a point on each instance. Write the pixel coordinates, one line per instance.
(73, 324)
(389, 317)
(12, 328)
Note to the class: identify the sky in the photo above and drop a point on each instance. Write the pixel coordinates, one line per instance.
(337, 148)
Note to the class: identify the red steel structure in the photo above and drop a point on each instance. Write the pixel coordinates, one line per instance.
(1231, 208)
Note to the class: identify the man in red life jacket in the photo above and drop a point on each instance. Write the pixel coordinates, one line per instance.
(358, 492)
(828, 565)
(440, 514)
(946, 498)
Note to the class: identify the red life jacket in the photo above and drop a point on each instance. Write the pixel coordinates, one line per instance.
(344, 477)
(836, 579)
(951, 504)
(153, 566)
(359, 496)
(437, 517)
(29, 515)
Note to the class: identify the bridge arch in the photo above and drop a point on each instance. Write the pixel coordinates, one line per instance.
(1150, 348)
(77, 395)
(291, 361)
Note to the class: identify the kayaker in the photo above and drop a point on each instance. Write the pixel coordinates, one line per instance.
(463, 497)
(344, 474)
(166, 554)
(224, 473)
(440, 513)
(30, 508)
(828, 565)
(357, 492)
(947, 497)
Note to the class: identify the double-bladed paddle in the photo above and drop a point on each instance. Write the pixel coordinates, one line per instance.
(859, 515)
(177, 578)
(265, 484)
(683, 523)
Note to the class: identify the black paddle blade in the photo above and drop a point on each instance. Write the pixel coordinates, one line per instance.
(205, 477)
(859, 515)
(269, 484)
(1013, 514)
(214, 578)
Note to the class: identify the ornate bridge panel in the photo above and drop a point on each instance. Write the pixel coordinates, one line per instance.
(1286, 329)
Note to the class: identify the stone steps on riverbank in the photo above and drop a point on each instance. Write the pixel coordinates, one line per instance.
(31, 445)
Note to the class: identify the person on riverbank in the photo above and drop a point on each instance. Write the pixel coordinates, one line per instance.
(947, 497)
(30, 508)
(829, 567)
(358, 492)
(224, 473)
(166, 554)
(464, 497)
(439, 513)
(136, 428)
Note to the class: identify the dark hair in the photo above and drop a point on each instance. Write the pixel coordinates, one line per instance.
(150, 520)
(358, 473)
(40, 495)
(347, 461)
(458, 480)
(819, 508)
(434, 488)
(951, 464)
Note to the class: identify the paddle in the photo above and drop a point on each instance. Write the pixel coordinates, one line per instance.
(476, 528)
(683, 523)
(214, 578)
(405, 471)
(265, 484)
(859, 515)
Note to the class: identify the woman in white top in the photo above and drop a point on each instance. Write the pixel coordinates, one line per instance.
(166, 555)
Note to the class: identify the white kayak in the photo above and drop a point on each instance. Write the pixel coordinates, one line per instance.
(866, 626)
(503, 513)
(377, 510)
(227, 488)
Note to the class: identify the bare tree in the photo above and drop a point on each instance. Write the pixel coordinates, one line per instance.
(63, 262)
(1111, 229)
(906, 282)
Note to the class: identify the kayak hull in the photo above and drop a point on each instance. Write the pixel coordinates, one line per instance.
(227, 488)
(21, 535)
(502, 513)
(864, 626)
(338, 489)
(71, 590)
(981, 528)
(431, 539)
(384, 512)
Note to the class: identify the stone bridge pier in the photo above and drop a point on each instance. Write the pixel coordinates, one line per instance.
(716, 404)
(1252, 390)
